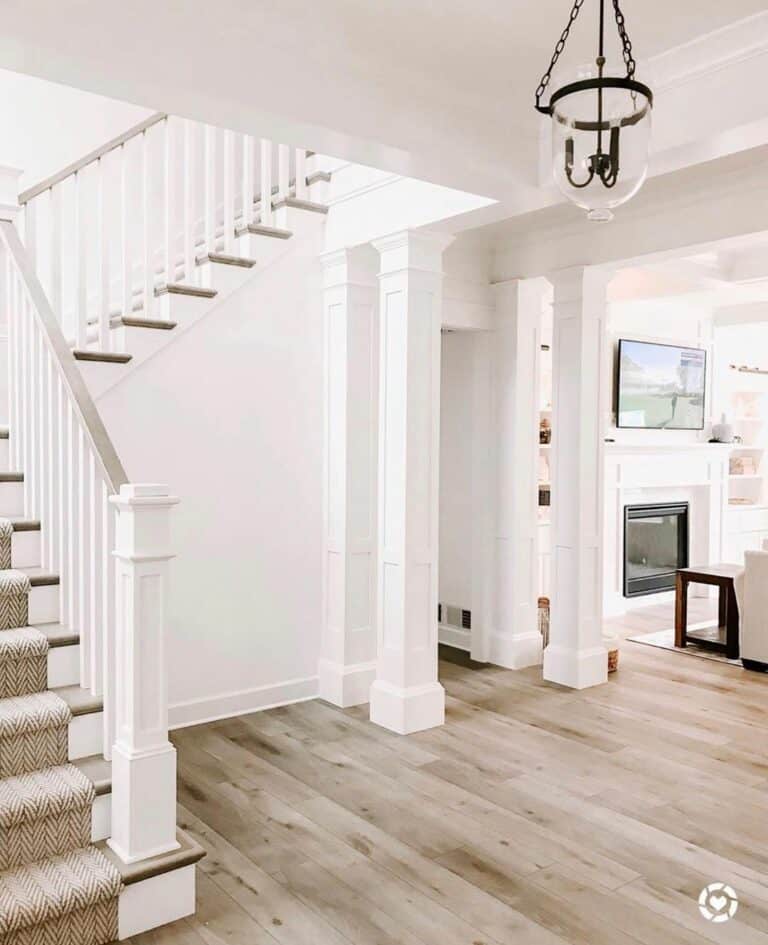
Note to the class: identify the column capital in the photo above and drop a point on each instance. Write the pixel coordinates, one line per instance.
(353, 265)
(570, 284)
(412, 249)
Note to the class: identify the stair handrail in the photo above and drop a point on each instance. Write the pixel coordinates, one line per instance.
(111, 145)
(82, 402)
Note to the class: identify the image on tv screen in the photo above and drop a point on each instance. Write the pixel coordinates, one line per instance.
(660, 386)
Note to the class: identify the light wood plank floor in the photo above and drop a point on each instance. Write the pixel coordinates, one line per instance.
(536, 816)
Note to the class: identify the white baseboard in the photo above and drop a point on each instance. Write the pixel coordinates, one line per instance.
(455, 637)
(229, 704)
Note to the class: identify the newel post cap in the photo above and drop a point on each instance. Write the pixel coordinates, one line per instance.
(136, 494)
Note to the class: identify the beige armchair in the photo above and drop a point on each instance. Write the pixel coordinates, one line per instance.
(752, 598)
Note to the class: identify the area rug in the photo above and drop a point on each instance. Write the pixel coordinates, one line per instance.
(665, 640)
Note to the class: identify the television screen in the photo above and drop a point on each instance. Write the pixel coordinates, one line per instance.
(660, 387)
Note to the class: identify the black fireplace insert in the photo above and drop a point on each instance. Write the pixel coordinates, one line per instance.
(655, 546)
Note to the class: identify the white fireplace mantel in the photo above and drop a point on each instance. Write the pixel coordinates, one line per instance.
(636, 473)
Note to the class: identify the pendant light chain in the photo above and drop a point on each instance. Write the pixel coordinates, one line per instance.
(545, 79)
(626, 43)
(626, 49)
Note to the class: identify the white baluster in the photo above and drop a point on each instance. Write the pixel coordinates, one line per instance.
(30, 231)
(72, 523)
(51, 512)
(108, 514)
(146, 231)
(14, 349)
(283, 171)
(301, 174)
(248, 156)
(125, 230)
(95, 623)
(168, 202)
(81, 264)
(102, 259)
(209, 175)
(83, 538)
(56, 251)
(143, 759)
(62, 496)
(229, 191)
(190, 218)
(266, 182)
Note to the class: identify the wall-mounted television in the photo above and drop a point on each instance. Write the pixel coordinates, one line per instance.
(660, 387)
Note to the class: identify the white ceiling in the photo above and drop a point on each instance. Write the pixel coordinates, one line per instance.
(440, 89)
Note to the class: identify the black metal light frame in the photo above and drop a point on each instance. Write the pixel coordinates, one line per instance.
(604, 165)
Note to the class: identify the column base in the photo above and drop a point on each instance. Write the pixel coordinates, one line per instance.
(407, 710)
(345, 686)
(516, 651)
(577, 669)
(143, 802)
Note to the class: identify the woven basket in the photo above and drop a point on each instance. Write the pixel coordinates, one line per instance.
(613, 660)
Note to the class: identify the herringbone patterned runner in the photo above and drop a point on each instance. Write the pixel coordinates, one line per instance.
(14, 599)
(81, 887)
(44, 813)
(23, 662)
(6, 536)
(33, 733)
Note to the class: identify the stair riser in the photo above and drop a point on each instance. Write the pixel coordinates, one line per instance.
(5, 456)
(44, 604)
(264, 249)
(223, 278)
(156, 901)
(86, 735)
(11, 498)
(101, 818)
(25, 549)
(63, 666)
(141, 342)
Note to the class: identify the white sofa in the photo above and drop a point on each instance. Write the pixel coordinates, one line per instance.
(752, 599)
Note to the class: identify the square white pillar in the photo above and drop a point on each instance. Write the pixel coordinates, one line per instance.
(406, 696)
(576, 656)
(347, 664)
(516, 640)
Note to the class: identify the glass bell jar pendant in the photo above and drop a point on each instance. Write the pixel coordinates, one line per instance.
(601, 125)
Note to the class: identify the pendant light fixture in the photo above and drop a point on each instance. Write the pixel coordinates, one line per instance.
(601, 125)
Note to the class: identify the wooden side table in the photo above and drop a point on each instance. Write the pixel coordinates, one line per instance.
(721, 576)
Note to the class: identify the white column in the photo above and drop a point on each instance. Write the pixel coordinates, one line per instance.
(576, 656)
(143, 760)
(406, 696)
(348, 659)
(516, 641)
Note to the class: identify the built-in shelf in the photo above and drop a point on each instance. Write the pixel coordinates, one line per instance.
(545, 446)
(745, 448)
(745, 476)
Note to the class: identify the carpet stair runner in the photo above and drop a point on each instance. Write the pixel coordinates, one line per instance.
(55, 887)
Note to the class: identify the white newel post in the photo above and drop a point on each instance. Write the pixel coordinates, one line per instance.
(406, 696)
(576, 656)
(347, 664)
(516, 640)
(143, 759)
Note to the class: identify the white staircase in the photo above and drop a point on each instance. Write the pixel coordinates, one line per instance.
(87, 550)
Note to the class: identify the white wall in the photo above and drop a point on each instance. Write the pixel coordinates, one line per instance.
(229, 415)
(47, 126)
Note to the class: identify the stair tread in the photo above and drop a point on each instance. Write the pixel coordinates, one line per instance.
(58, 634)
(44, 793)
(225, 259)
(130, 321)
(261, 229)
(79, 701)
(39, 892)
(11, 477)
(178, 288)
(299, 204)
(188, 853)
(4, 433)
(107, 357)
(39, 577)
(21, 524)
(98, 771)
